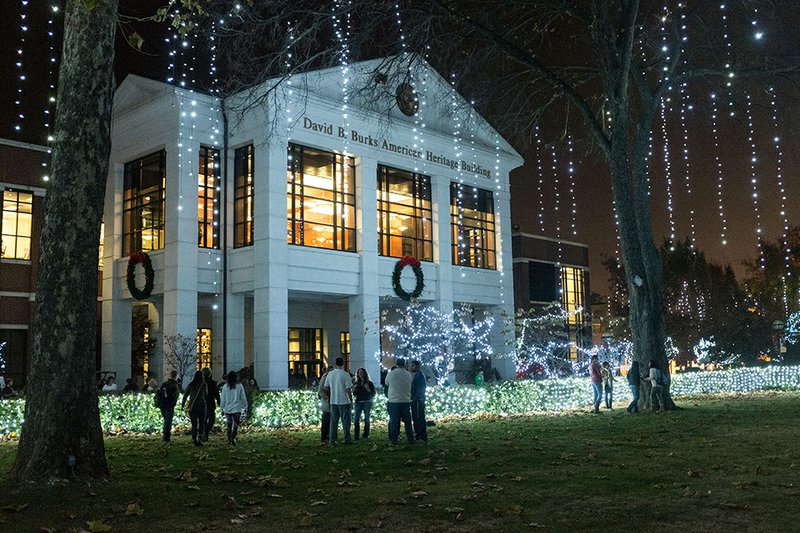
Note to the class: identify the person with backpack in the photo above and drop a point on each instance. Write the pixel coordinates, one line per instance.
(194, 403)
(657, 380)
(166, 398)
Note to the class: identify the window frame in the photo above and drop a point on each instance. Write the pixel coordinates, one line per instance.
(296, 199)
(243, 196)
(208, 192)
(420, 217)
(483, 227)
(14, 233)
(132, 239)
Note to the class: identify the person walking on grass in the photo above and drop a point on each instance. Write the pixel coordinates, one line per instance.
(596, 377)
(339, 384)
(325, 405)
(212, 401)
(633, 384)
(364, 391)
(608, 383)
(168, 397)
(418, 386)
(194, 403)
(232, 403)
(398, 401)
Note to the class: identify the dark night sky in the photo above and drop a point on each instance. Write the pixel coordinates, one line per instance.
(594, 221)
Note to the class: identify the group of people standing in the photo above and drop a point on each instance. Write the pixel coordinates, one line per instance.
(602, 379)
(200, 401)
(340, 394)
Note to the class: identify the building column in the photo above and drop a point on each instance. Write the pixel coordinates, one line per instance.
(270, 271)
(234, 343)
(155, 362)
(503, 335)
(180, 256)
(442, 254)
(116, 322)
(364, 308)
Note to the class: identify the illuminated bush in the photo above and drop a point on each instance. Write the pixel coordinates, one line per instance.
(275, 409)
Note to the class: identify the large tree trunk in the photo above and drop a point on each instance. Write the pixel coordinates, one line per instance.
(62, 436)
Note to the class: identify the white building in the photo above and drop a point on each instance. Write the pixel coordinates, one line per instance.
(286, 260)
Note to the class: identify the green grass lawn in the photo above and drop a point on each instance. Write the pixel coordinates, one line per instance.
(717, 464)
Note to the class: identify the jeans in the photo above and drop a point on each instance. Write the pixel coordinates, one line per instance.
(397, 412)
(657, 393)
(609, 391)
(364, 407)
(418, 417)
(198, 419)
(211, 417)
(337, 412)
(634, 406)
(326, 426)
(597, 389)
(168, 413)
(233, 420)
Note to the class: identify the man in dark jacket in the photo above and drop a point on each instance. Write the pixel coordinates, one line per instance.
(418, 386)
(169, 392)
(212, 401)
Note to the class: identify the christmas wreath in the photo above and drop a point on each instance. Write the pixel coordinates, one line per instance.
(416, 266)
(144, 259)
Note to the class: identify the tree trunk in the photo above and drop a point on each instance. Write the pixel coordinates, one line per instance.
(62, 436)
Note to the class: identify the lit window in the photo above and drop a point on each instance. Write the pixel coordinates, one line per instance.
(344, 348)
(572, 301)
(305, 355)
(404, 214)
(143, 204)
(203, 348)
(320, 199)
(208, 198)
(17, 224)
(472, 226)
(243, 197)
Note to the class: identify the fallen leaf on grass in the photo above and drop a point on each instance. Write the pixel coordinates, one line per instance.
(193, 487)
(273, 495)
(418, 494)
(425, 461)
(69, 515)
(98, 526)
(535, 524)
(133, 508)
(319, 502)
(230, 503)
(47, 530)
(191, 504)
(16, 508)
(454, 509)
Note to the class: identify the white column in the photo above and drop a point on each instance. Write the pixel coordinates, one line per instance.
(502, 336)
(156, 359)
(364, 309)
(180, 253)
(234, 349)
(116, 313)
(442, 253)
(270, 290)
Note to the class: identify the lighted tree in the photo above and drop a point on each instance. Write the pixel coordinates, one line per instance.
(438, 339)
(541, 342)
(605, 67)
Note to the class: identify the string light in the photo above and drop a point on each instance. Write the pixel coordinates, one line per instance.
(719, 169)
(776, 140)
(20, 64)
(540, 175)
(754, 179)
(668, 174)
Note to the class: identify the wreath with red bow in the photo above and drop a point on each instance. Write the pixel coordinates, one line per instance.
(416, 266)
(143, 259)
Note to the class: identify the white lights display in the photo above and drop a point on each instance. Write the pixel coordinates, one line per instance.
(276, 409)
(438, 338)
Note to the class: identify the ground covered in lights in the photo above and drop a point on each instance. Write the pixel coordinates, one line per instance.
(717, 464)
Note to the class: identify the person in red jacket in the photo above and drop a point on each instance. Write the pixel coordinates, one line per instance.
(596, 377)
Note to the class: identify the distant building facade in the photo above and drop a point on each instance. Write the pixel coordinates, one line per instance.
(23, 171)
(550, 270)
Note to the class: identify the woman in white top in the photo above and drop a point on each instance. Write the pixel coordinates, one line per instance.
(233, 403)
(110, 385)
